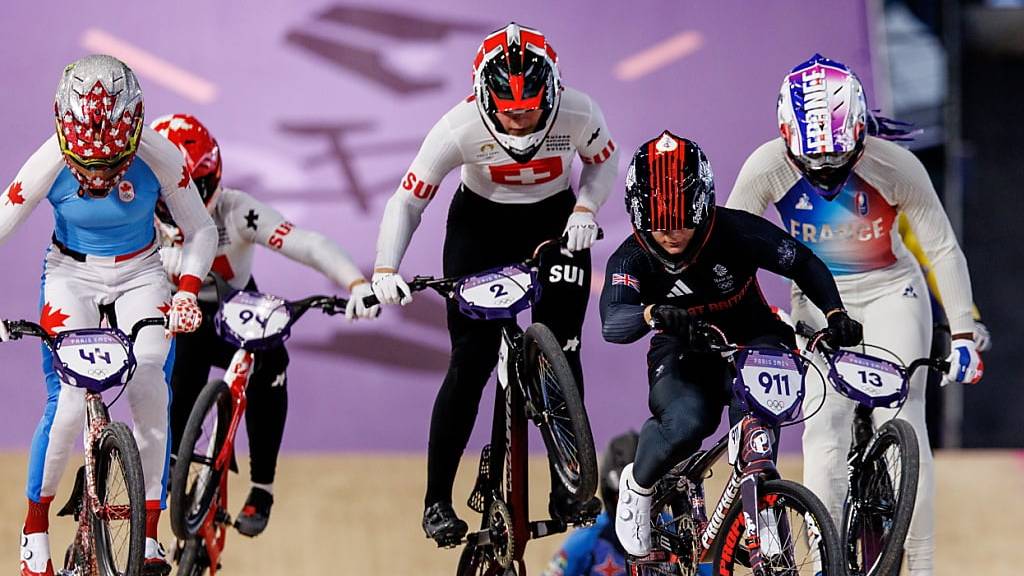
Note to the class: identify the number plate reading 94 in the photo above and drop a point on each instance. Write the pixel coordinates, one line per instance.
(771, 380)
(255, 316)
(96, 356)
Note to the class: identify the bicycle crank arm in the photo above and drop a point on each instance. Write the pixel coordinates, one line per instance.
(542, 528)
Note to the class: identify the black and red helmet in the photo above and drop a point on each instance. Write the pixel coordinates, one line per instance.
(670, 186)
(516, 69)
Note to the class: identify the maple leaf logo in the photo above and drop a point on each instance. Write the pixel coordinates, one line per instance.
(51, 319)
(14, 196)
(183, 183)
(164, 308)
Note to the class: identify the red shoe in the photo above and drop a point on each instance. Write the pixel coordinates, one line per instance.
(35, 555)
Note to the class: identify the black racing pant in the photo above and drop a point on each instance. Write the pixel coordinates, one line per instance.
(483, 234)
(267, 393)
(688, 392)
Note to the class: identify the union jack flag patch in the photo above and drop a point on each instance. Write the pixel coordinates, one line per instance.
(626, 280)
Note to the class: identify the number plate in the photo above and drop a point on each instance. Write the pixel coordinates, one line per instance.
(867, 379)
(771, 381)
(498, 293)
(92, 355)
(252, 316)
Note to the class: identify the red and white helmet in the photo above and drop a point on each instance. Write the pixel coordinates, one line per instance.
(99, 120)
(517, 70)
(200, 148)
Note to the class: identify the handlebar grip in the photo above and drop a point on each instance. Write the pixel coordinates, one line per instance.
(370, 301)
(804, 329)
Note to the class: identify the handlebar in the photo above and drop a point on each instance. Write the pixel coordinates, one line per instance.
(19, 328)
(816, 342)
(446, 286)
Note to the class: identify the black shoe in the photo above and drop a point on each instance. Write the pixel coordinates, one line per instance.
(442, 525)
(565, 508)
(256, 513)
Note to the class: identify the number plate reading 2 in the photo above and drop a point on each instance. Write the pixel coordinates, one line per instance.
(92, 355)
(498, 293)
(252, 316)
(868, 380)
(771, 382)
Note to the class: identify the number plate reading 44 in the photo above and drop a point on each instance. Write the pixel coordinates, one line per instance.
(255, 316)
(96, 356)
(771, 381)
(867, 379)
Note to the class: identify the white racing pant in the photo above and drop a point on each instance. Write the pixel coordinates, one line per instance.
(896, 314)
(71, 294)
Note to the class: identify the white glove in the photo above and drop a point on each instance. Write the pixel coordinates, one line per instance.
(965, 365)
(390, 288)
(184, 314)
(171, 258)
(581, 230)
(982, 337)
(5, 336)
(356, 309)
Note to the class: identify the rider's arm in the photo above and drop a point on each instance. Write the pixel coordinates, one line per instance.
(186, 207)
(773, 250)
(439, 154)
(31, 185)
(916, 197)
(622, 311)
(764, 173)
(261, 224)
(600, 161)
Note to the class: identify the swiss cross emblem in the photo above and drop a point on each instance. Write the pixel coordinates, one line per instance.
(536, 171)
(126, 191)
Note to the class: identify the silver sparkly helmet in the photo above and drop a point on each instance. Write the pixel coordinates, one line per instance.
(99, 120)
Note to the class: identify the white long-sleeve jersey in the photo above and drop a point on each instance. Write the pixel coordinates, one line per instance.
(244, 222)
(121, 222)
(460, 138)
(856, 232)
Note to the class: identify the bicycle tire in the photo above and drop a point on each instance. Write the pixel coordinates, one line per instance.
(116, 443)
(192, 561)
(886, 532)
(190, 504)
(732, 558)
(568, 419)
(474, 561)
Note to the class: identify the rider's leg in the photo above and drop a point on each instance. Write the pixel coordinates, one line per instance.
(264, 420)
(826, 439)
(194, 354)
(901, 321)
(144, 292)
(562, 307)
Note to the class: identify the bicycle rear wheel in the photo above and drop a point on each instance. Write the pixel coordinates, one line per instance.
(119, 525)
(193, 559)
(561, 416)
(797, 536)
(195, 479)
(475, 561)
(877, 516)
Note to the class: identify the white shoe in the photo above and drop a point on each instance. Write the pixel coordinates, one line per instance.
(633, 515)
(35, 555)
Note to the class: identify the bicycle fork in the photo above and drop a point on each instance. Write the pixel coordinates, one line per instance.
(765, 534)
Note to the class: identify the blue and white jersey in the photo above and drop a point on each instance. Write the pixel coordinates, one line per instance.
(121, 222)
(856, 232)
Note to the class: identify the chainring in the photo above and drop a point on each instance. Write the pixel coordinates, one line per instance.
(499, 525)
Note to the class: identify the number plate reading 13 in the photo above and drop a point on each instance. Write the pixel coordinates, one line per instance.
(97, 356)
(255, 316)
(772, 380)
(870, 376)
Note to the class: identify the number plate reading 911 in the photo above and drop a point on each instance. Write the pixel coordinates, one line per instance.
(96, 356)
(772, 381)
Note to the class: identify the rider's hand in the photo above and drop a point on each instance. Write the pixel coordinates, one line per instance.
(670, 319)
(355, 308)
(842, 330)
(982, 337)
(184, 314)
(581, 230)
(5, 335)
(390, 288)
(965, 365)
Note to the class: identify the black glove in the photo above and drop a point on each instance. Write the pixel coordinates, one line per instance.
(671, 319)
(843, 331)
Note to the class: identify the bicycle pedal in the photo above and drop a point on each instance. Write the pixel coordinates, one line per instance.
(448, 543)
(478, 498)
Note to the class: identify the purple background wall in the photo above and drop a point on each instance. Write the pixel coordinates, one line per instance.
(274, 80)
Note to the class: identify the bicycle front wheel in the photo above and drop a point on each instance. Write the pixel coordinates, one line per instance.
(560, 413)
(796, 535)
(877, 514)
(195, 479)
(476, 561)
(193, 559)
(119, 522)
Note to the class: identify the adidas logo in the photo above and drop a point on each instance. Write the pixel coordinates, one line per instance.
(680, 289)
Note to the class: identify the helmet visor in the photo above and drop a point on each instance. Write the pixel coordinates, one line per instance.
(827, 160)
